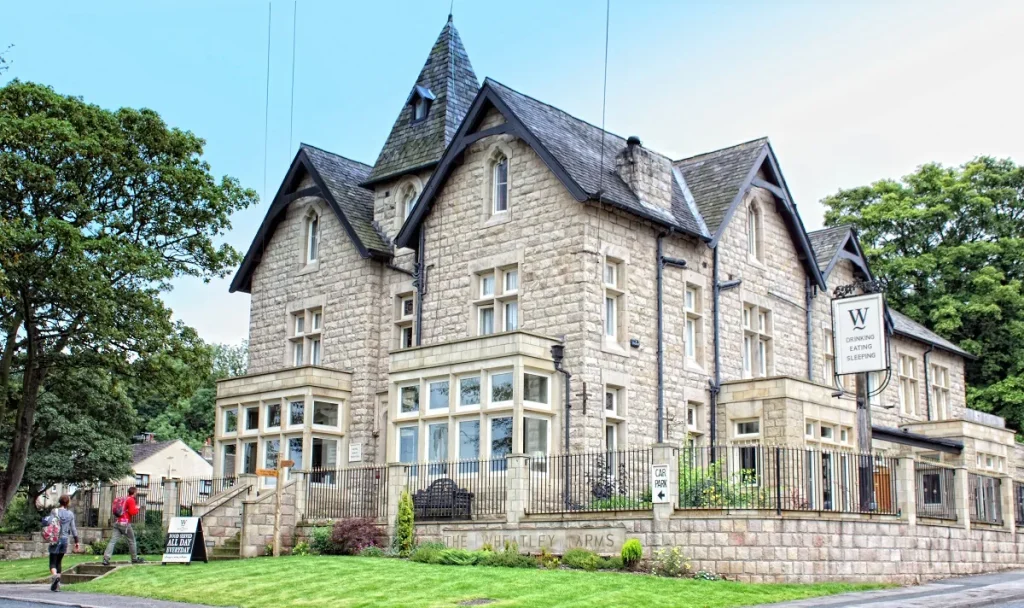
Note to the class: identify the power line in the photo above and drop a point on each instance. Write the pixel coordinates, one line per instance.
(291, 119)
(604, 93)
(266, 106)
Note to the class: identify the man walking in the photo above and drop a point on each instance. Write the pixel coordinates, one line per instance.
(124, 509)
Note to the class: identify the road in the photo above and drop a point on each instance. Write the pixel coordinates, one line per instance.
(40, 596)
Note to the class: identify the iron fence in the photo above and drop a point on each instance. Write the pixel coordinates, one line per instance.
(85, 503)
(1018, 502)
(459, 489)
(786, 479)
(149, 498)
(936, 497)
(985, 499)
(198, 490)
(600, 481)
(344, 493)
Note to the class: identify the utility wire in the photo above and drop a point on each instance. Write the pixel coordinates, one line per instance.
(291, 119)
(266, 106)
(604, 93)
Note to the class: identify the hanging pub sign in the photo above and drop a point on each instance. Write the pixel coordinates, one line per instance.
(185, 542)
(858, 332)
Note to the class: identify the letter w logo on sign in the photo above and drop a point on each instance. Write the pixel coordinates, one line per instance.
(859, 316)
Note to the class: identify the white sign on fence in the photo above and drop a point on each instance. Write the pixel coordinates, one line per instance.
(858, 329)
(659, 484)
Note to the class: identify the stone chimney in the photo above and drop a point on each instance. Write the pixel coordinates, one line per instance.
(647, 174)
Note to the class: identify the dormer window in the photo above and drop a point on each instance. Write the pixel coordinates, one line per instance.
(407, 201)
(420, 101)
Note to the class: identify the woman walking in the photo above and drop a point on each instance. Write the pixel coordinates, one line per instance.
(68, 529)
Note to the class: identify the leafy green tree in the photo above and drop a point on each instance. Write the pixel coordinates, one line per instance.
(99, 211)
(950, 241)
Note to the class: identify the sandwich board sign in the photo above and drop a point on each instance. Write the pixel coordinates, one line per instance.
(858, 325)
(185, 542)
(659, 484)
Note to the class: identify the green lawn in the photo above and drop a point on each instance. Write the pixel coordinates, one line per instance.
(358, 581)
(21, 570)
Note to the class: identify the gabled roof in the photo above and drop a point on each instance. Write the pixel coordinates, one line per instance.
(840, 242)
(142, 451)
(337, 182)
(449, 77)
(572, 150)
(905, 326)
(715, 178)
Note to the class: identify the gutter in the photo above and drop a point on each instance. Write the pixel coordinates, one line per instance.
(557, 356)
(661, 262)
(420, 280)
(716, 385)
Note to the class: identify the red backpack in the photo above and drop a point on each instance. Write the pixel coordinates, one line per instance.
(118, 507)
(51, 529)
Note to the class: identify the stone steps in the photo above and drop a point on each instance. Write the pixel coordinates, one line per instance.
(83, 573)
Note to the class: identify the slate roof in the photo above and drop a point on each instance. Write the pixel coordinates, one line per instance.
(449, 75)
(342, 177)
(904, 325)
(577, 146)
(826, 243)
(142, 451)
(715, 178)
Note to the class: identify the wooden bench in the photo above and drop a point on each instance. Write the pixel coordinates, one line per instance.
(443, 499)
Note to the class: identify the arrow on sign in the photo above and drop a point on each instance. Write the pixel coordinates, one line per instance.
(661, 495)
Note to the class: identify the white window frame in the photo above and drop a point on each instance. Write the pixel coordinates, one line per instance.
(547, 433)
(548, 386)
(740, 435)
(398, 442)
(482, 327)
(490, 435)
(244, 424)
(490, 387)
(485, 278)
(262, 457)
(288, 421)
(315, 351)
(405, 323)
(419, 400)
(908, 382)
(693, 324)
(265, 422)
(496, 162)
(755, 233)
(430, 386)
(459, 406)
(512, 305)
(238, 421)
(506, 275)
(939, 378)
(758, 344)
(326, 427)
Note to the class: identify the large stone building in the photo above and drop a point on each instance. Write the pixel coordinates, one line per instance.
(407, 311)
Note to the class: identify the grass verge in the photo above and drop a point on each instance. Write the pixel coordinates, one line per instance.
(27, 570)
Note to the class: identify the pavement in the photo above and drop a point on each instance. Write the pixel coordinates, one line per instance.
(40, 596)
(1003, 590)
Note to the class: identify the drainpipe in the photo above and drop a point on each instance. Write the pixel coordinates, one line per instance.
(810, 329)
(716, 385)
(557, 355)
(927, 382)
(662, 261)
(421, 284)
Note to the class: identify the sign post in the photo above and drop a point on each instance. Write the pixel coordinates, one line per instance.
(860, 345)
(659, 484)
(278, 488)
(185, 542)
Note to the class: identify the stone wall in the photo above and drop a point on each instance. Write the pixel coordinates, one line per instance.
(222, 517)
(258, 519)
(24, 546)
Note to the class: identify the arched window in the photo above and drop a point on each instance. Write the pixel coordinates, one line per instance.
(499, 179)
(755, 247)
(407, 200)
(312, 237)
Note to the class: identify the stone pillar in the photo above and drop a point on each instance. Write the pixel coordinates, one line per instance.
(398, 474)
(906, 490)
(667, 454)
(172, 490)
(517, 492)
(106, 501)
(962, 489)
(1008, 504)
(301, 486)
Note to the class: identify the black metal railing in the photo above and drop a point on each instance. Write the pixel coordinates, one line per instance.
(787, 479)
(985, 499)
(149, 498)
(85, 503)
(936, 496)
(600, 481)
(199, 490)
(458, 489)
(1018, 502)
(347, 493)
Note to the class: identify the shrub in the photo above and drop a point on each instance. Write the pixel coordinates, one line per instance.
(670, 562)
(632, 553)
(150, 540)
(456, 557)
(301, 548)
(618, 503)
(547, 560)
(704, 575)
(581, 559)
(22, 516)
(405, 528)
(373, 552)
(427, 553)
(320, 541)
(506, 559)
(487, 547)
(611, 563)
(350, 536)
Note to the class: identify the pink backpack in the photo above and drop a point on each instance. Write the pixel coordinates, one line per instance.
(51, 531)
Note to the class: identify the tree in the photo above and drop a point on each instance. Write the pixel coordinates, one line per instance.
(99, 211)
(4, 64)
(950, 241)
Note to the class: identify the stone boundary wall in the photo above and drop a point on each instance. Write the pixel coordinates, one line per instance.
(222, 517)
(802, 549)
(258, 518)
(24, 546)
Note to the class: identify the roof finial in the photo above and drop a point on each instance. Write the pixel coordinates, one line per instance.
(451, 9)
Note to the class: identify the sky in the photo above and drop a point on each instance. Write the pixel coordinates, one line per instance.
(849, 93)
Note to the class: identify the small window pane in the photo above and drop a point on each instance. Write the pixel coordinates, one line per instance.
(231, 420)
(535, 436)
(486, 320)
(501, 438)
(252, 418)
(272, 451)
(501, 387)
(408, 444)
(511, 316)
(469, 391)
(609, 317)
(437, 446)
(691, 338)
(410, 399)
(486, 285)
(611, 275)
(501, 185)
(407, 307)
(298, 353)
(274, 415)
(750, 427)
(314, 238)
(439, 395)
(249, 463)
(609, 401)
(296, 413)
(295, 451)
(511, 280)
(315, 356)
(535, 388)
(406, 337)
(300, 324)
(469, 440)
(325, 414)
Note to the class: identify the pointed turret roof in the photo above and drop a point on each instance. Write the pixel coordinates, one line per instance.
(449, 77)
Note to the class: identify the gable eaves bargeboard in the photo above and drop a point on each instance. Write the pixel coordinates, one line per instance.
(286, 194)
(789, 212)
